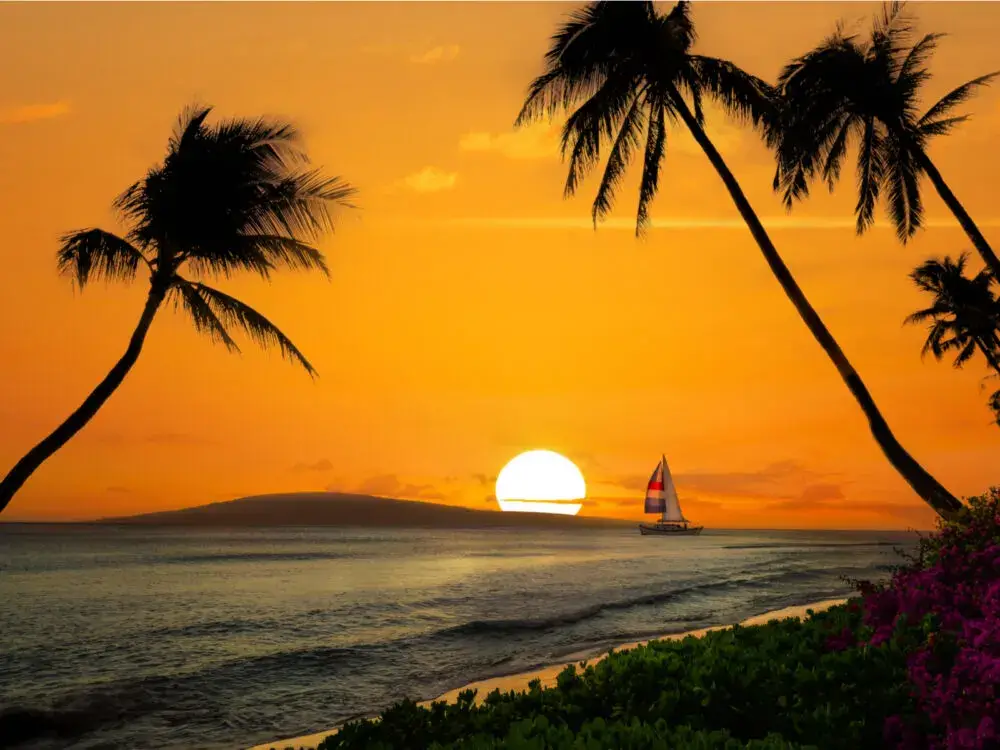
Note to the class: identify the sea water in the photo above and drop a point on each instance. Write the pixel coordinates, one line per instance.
(202, 639)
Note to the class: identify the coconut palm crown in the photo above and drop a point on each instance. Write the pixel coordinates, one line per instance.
(867, 92)
(964, 316)
(622, 70)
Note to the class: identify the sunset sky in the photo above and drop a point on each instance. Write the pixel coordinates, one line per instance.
(472, 312)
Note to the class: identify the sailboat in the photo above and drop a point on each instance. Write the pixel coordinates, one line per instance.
(661, 497)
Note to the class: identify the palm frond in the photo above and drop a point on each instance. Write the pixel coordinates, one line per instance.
(905, 206)
(618, 159)
(582, 54)
(656, 142)
(257, 253)
(204, 318)
(94, 252)
(933, 128)
(597, 119)
(744, 97)
(231, 312)
(994, 405)
(871, 168)
(965, 354)
(955, 97)
(836, 152)
(919, 54)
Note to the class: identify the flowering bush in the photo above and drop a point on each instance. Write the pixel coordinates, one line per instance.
(943, 610)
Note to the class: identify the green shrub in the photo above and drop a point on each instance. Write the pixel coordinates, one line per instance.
(779, 684)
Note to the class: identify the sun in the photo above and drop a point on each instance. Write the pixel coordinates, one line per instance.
(540, 482)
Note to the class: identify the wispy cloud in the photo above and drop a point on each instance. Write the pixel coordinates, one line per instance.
(787, 485)
(23, 113)
(680, 222)
(430, 180)
(539, 141)
(439, 54)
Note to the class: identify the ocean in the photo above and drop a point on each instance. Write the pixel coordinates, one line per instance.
(202, 639)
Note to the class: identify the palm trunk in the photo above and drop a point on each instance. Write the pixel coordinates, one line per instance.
(966, 222)
(79, 418)
(925, 485)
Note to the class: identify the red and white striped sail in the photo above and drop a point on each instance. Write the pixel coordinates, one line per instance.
(661, 495)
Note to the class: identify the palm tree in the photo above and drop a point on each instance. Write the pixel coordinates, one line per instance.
(964, 314)
(868, 91)
(236, 196)
(621, 69)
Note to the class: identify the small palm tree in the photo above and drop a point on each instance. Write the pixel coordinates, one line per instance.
(964, 315)
(232, 197)
(867, 92)
(622, 70)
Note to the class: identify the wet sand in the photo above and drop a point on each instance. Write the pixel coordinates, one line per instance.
(548, 675)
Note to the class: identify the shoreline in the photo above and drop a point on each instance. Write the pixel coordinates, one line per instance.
(548, 674)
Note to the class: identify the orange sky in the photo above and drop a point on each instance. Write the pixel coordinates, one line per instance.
(472, 313)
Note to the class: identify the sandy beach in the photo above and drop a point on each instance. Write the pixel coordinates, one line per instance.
(547, 675)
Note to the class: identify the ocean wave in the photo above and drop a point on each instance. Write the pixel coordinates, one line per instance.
(226, 557)
(810, 545)
(478, 627)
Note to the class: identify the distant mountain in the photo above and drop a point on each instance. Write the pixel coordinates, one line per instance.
(339, 509)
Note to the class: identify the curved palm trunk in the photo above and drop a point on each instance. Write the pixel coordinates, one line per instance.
(966, 222)
(79, 418)
(925, 485)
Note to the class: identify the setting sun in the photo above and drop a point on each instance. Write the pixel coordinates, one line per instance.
(540, 482)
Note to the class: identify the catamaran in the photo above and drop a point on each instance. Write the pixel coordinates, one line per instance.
(661, 497)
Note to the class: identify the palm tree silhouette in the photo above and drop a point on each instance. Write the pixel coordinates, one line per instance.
(868, 91)
(964, 315)
(236, 196)
(622, 68)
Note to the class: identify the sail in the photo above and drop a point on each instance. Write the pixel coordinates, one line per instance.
(671, 505)
(655, 499)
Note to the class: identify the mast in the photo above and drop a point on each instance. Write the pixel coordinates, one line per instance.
(663, 467)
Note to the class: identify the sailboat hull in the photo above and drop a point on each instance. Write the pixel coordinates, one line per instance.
(669, 529)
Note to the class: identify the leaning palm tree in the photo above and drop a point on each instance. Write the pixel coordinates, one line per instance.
(867, 91)
(964, 314)
(622, 70)
(236, 196)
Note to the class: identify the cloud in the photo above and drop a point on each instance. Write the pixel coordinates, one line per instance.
(539, 141)
(784, 485)
(430, 180)
(322, 465)
(439, 54)
(389, 485)
(33, 112)
(485, 479)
